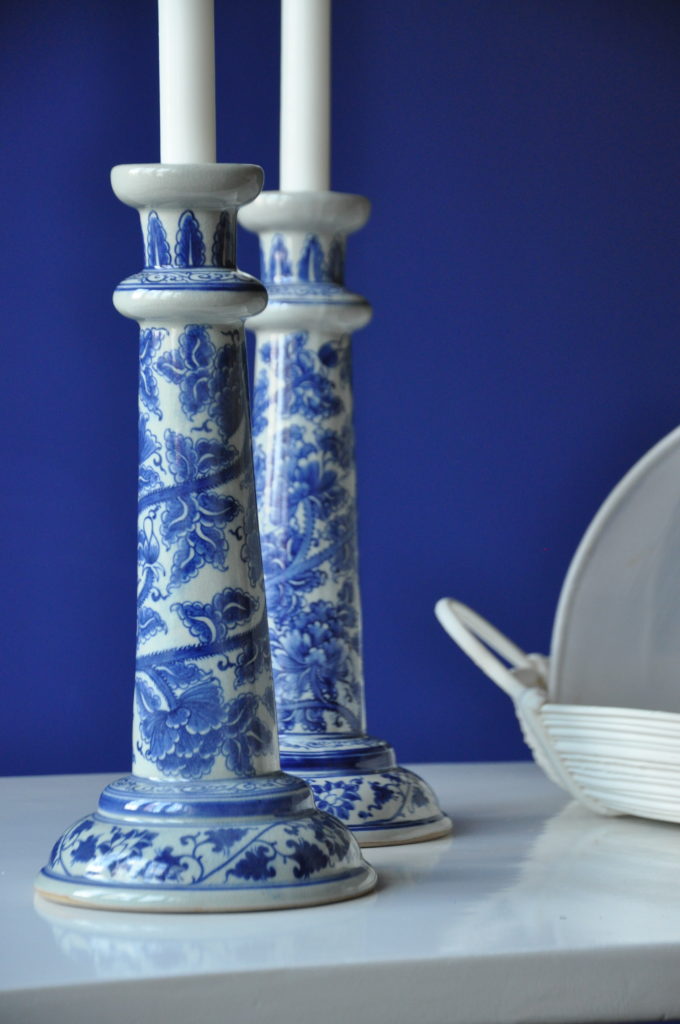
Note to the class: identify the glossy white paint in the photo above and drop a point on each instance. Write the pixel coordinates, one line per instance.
(536, 911)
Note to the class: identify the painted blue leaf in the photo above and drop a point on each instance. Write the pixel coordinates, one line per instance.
(256, 864)
(157, 247)
(278, 266)
(309, 859)
(189, 245)
(223, 839)
(85, 850)
(310, 264)
(222, 247)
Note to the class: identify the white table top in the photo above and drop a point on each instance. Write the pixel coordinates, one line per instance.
(536, 910)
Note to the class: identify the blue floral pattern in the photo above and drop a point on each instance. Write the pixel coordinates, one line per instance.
(312, 265)
(365, 799)
(204, 704)
(302, 412)
(281, 851)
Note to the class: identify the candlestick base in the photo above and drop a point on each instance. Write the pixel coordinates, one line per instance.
(358, 780)
(235, 844)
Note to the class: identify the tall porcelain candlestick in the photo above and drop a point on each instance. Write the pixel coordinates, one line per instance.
(305, 473)
(207, 821)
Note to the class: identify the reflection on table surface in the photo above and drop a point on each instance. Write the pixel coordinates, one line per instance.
(524, 872)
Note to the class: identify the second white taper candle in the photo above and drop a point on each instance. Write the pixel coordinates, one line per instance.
(305, 96)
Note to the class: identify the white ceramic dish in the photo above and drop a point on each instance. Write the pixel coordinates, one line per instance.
(616, 637)
(611, 770)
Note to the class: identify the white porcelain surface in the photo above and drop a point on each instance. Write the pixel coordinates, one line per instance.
(616, 639)
(537, 911)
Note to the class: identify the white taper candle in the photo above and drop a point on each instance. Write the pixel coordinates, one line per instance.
(305, 96)
(186, 48)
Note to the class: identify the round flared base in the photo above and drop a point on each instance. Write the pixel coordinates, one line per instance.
(230, 845)
(358, 780)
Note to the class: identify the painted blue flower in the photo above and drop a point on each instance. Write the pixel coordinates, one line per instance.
(193, 522)
(181, 728)
(337, 797)
(123, 854)
(304, 665)
(189, 367)
(210, 379)
(312, 665)
(307, 389)
(310, 480)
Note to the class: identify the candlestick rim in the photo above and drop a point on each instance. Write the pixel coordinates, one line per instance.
(343, 212)
(206, 186)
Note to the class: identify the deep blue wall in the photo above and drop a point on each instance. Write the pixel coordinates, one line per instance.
(522, 260)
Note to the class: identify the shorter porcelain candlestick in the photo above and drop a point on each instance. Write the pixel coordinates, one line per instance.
(305, 474)
(207, 822)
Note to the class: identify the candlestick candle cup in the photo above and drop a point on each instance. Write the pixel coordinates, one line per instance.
(207, 821)
(305, 474)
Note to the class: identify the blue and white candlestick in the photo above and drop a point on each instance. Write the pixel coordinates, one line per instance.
(305, 475)
(207, 821)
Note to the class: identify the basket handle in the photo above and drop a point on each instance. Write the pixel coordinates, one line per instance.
(483, 644)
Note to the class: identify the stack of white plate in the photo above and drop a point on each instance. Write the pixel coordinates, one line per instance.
(602, 715)
(627, 759)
